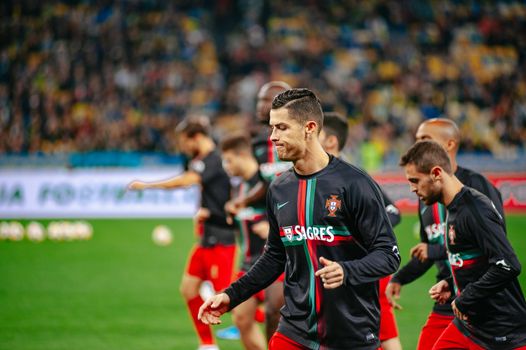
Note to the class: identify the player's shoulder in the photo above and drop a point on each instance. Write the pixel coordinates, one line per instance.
(284, 178)
(478, 203)
(471, 178)
(352, 173)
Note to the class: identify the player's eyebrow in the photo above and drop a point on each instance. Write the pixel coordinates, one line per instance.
(278, 124)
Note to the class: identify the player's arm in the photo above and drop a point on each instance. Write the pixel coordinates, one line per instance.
(188, 178)
(488, 229)
(425, 251)
(436, 252)
(411, 271)
(254, 195)
(369, 222)
(415, 267)
(268, 267)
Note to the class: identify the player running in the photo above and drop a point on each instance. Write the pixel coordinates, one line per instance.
(270, 166)
(489, 306)
(213, 257)
(238, 160)
(333, 137)
(328, 230)
(431, 251)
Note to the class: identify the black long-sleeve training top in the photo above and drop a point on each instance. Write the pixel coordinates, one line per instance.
(484, 273)
(432, 222)
(337, 213)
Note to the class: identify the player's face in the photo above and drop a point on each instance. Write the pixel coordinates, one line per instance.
(431, 132)
(232, 163)
(288, 135)
(428, 190)
(187, 145)
(329, 143)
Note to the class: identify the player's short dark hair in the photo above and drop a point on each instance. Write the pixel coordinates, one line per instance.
(193, 126)
(425, 155)
(236, 142)
(302, 105)
(335, 124)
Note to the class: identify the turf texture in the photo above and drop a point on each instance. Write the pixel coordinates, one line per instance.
(120, 291)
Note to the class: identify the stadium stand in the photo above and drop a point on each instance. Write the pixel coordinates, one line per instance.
(82, 76)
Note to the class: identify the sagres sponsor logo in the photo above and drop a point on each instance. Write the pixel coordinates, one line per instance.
(300, 232)
(455, 260)
(435, 231)
(333, 204)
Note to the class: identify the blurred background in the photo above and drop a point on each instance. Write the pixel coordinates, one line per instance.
(90, 94)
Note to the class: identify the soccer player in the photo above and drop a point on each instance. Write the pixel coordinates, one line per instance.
(328, 230)
(489, 306)
(270, 166)
(431, 250)
(213, 258)
(238, 160)
(333, 137)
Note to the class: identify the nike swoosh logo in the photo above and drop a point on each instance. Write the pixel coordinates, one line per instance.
(423, 211)
(281, 205)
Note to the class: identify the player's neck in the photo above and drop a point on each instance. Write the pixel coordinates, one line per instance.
(314, 160)
(452, 186)
(206, 146)
(453, 161)
(250, 170)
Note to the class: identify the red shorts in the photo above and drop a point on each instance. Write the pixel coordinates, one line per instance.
(281, 342)
(260, 296)
(452, 338)
(281, 278)
(388, 328)
(435, 325)
(215, 264)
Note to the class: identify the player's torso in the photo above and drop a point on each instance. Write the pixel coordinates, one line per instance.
(433, 222)
(466, 259)
(251, 243)
(215, 192)
(314, 221)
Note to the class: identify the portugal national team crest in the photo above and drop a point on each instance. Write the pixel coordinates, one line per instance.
(288, 232)
(451, 234)
(333, 204)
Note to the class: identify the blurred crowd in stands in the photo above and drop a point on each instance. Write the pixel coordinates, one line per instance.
(79, 76)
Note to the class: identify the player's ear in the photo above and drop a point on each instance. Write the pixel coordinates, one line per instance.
(451, 144)
(436, 173)
(311, 127)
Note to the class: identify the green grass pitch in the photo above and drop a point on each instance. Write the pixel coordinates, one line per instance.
(120, 291)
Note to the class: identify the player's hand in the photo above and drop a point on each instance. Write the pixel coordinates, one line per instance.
(232, 208)
(212, 309)
(331, 274)
(136, 185)
(457, 312)
(440, 292)
(392, 292)
(261, 229)
(201, 215)
(419, 251)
